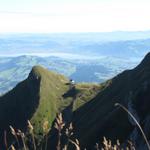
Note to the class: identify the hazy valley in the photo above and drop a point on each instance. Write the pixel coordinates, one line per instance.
(89, 57)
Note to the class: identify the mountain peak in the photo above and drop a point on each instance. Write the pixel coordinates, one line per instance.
(39, 72)
(147, 58)
(146, 61)
(39, 94)
(35, 73)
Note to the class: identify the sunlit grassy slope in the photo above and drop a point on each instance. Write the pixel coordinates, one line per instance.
(40, 97)
(52, 87)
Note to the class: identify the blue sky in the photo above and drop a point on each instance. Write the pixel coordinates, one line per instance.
(74, 15)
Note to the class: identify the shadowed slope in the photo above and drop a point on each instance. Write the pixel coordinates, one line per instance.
(37, 98)
(99, 117)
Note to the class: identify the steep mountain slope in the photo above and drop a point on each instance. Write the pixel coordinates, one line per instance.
(36, 98)
(39, 98)
(43, 94)
(99, 117)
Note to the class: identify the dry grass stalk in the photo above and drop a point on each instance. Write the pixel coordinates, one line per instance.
(139, 126)
(59, 125)
(108, 145)
(97, 146)
(5, 140)
(22, 135)
(65, 147)
(46, 130)
(12, 147)
(30, 127)
(14, 133)
(75, 143)
(131, 146)
(68, 133)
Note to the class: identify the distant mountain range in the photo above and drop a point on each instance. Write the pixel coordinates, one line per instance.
(85, 57)
(119, 44)
(43, 94)
(15, 69)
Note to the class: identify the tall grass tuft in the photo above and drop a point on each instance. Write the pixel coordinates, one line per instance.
(30, 127)
(59, 125)
(62, 129)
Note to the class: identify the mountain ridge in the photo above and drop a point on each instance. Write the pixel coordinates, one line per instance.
(30, 92)
(127, 88)
(44, 94)
(40, 98)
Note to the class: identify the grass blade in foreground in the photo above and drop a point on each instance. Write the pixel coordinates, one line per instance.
(144, 136)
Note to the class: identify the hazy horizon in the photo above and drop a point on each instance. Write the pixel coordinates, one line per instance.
(49, 16)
